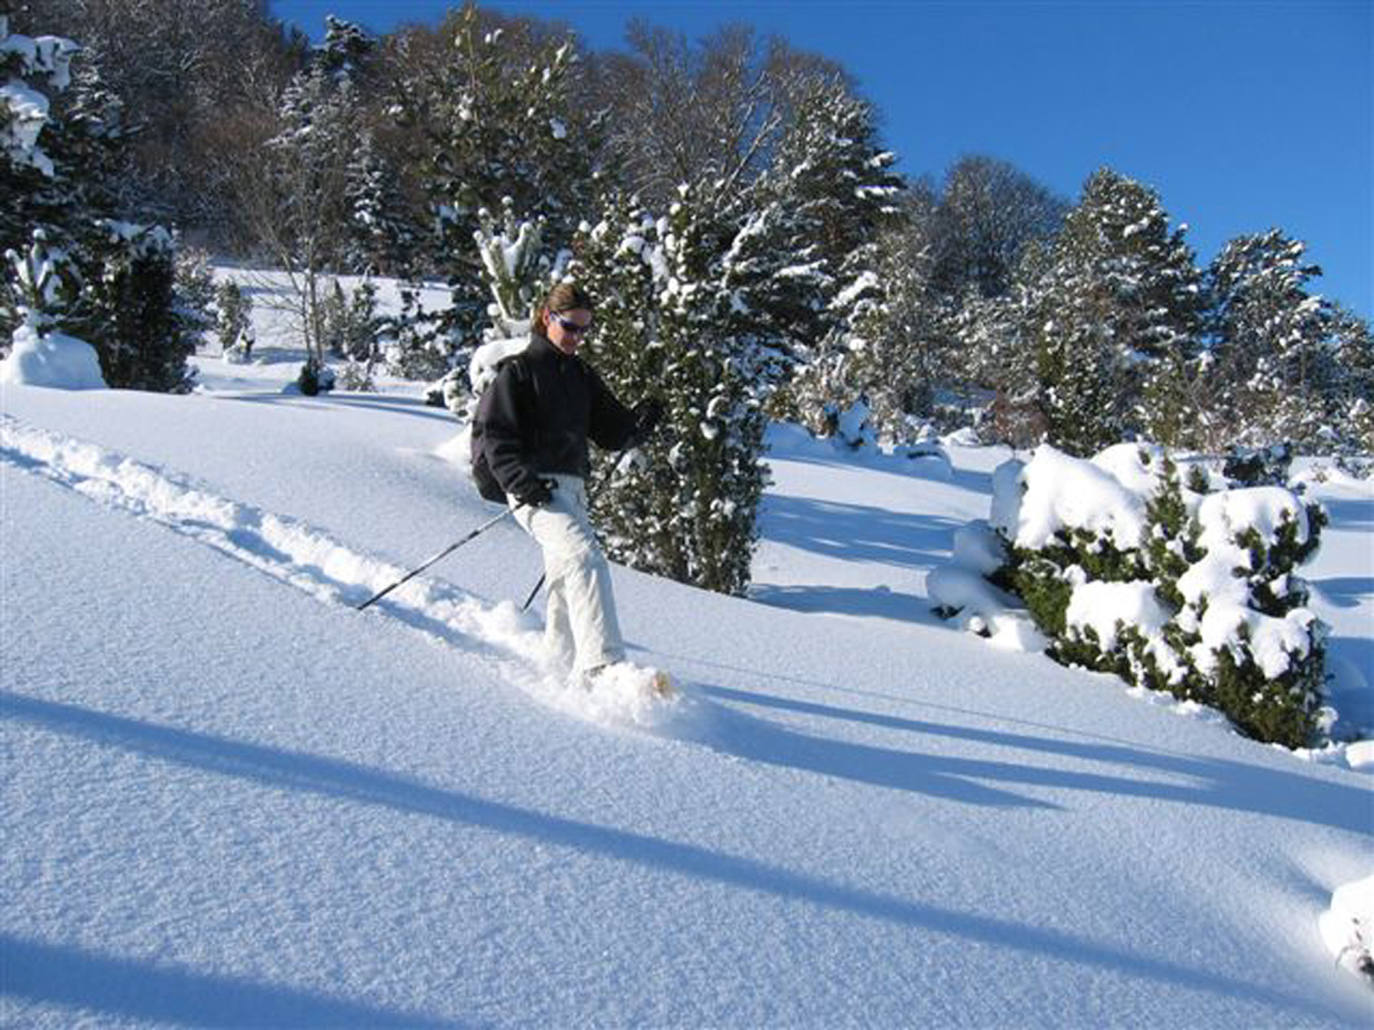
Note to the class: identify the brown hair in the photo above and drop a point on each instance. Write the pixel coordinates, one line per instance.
(564, 297)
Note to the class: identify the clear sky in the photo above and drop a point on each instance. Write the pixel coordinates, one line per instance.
(1242, 114)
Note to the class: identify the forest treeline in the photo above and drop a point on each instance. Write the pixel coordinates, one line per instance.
(730, 200)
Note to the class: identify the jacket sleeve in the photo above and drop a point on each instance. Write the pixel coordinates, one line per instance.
(507, 430)
(612, 425)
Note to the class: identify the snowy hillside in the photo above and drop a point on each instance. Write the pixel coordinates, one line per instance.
(231, 799)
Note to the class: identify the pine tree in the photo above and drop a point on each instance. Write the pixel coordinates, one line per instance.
(833, 179)
(233, 321)
(902, 355)
(498, 120)
(131, 314)
(382, 239)
(673, 318)
(44, 287)
(1352, 387)
(41, 189)
(1116, 320)
(63, 151)
(1270, 343)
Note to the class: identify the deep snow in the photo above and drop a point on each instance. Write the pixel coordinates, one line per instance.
(230, 799)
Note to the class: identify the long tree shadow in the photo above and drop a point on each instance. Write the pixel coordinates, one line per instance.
(323, 402)
(1211, 782)
(1345, 591)
(858, 532)
(878, 601)
(903, 468)
(52, 974)
(333, 778)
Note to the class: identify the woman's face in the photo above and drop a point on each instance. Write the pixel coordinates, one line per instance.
(567, 329)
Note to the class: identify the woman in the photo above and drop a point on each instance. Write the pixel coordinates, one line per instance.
(544, 406)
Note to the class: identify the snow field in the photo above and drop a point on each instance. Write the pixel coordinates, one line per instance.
(224, 797)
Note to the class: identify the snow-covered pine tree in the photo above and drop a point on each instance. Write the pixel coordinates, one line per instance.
(44, 287)
(516, 263)
(61, 156)
(998, 339)
(194, 289)
(1352, 388)
(39, 189)
(1116, 320)
(130, 312)
(1270, 344)
(674, 320)
(498, 119)
(906, 355)
(516, 270)
(834, 180)
(382, 238)
(346, 50)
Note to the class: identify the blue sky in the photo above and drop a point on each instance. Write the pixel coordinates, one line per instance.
(1242, 115)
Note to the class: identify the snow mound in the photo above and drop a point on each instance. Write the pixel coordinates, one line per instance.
(56, 360)
(1347, 927)
(979, 607)
(1054, 492)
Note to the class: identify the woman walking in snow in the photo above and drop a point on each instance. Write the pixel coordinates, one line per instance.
(543, 407)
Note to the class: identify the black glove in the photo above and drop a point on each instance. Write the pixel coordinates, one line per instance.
(648, 414)
(538, 494)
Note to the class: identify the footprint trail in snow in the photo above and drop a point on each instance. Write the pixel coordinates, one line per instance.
(291, 551)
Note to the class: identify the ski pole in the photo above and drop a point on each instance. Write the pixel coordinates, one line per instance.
(534, 593)
(444, 553)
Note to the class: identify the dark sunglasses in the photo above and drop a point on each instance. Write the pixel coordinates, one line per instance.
(568, 325)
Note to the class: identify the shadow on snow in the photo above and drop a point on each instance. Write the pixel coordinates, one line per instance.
(55, 974)
(310, 774)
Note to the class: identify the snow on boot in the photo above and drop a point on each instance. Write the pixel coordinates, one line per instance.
(627, 678)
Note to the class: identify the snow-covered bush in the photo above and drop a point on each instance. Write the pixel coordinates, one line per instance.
(1128, 571)
(357, 377)
(1259, 466)
(194, 287)
(130, 311)
(233, 322)
(44, 281)
(350, 325)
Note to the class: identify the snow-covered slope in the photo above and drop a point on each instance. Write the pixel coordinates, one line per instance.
(230, 799)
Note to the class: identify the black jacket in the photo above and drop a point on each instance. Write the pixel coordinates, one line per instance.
(543, 407)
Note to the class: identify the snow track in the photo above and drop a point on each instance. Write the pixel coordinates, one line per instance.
(292, 551)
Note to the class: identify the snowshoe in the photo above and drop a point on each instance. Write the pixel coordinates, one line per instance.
(627, 678)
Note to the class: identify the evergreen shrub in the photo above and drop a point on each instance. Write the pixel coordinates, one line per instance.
(1126, 570)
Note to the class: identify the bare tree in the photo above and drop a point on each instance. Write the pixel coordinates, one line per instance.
(181, 69)
(688, 113)
(989, 210)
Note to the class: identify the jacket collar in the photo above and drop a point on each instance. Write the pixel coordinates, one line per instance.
(541, 343)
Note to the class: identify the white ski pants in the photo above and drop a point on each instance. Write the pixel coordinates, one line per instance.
(580, 624)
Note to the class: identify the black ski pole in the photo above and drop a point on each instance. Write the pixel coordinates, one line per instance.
(444, 553)
(534, 593)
